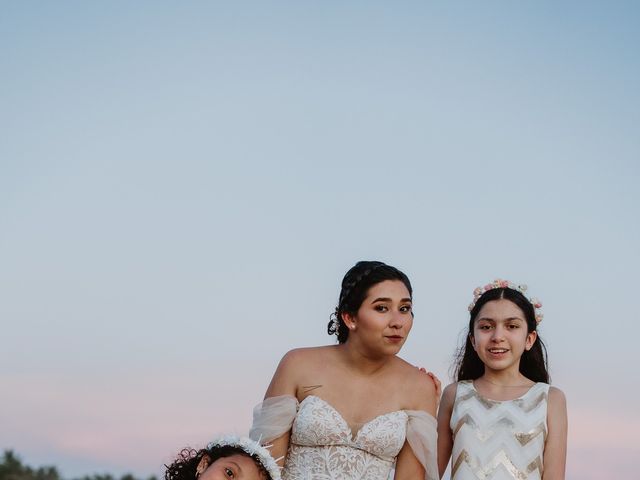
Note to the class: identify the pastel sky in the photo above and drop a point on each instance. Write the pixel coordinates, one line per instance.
(183, 186)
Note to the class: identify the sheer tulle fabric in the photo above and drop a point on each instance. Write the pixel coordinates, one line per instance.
(422, 437)
(275, 416)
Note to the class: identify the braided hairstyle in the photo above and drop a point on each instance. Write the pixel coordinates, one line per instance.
(355, 287)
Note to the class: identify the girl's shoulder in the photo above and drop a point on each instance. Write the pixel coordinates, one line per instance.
(449, 395)
(557, 397)
(450, 390)
(555, 391)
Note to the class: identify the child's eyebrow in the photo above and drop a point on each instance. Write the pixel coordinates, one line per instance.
(238, 467)
(509, 319)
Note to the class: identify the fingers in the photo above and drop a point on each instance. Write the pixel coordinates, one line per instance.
(437, 383)
(436, 380)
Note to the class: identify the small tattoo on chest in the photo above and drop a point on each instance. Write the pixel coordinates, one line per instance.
(309, 388)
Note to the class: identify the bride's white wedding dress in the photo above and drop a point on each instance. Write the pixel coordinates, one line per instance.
(322, 446)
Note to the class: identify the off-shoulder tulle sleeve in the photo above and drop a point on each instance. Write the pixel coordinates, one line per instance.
(422, 437)
(273, 417)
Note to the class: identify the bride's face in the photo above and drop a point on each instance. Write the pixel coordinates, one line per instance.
(384, 319)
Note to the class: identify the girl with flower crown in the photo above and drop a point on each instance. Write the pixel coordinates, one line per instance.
(501, 419)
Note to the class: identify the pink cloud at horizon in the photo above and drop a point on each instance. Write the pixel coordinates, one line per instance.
(601, 444)
(114, 427)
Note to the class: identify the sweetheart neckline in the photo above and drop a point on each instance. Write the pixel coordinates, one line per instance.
(353, 437)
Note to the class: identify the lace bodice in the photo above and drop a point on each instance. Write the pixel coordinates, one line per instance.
(322, 446)
(498, 440)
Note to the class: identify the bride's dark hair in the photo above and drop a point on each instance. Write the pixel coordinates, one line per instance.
(355, 286)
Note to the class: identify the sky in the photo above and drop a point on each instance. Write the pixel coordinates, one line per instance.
(184, 184)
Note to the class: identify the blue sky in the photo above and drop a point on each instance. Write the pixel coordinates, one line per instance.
(182, 188)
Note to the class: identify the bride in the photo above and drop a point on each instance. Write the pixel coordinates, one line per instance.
(351, 411)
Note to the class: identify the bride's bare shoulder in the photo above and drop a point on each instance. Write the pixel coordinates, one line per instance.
(295, 369)
(419, 387)
(302, 357)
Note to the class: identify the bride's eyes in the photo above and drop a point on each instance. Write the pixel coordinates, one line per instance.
(381, 308)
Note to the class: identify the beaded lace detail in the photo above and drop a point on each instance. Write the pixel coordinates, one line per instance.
(323, 446)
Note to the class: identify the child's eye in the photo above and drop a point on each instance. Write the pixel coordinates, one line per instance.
(229, 473)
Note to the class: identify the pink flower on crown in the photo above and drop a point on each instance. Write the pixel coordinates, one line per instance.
(499, 283)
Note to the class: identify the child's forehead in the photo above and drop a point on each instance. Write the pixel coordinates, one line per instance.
(501, 308)
(500, 311)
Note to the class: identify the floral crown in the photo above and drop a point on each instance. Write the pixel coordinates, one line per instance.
(253, 449)
(478, 292)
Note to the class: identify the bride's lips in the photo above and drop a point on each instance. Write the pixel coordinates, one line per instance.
(394, 338)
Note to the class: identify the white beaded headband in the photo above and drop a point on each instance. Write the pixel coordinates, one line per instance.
(478, 292)
(253, 449)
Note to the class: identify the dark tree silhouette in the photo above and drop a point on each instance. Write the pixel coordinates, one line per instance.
(12, 468)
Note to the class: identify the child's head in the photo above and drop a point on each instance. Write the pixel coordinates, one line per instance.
(533, 362)
(235, 458)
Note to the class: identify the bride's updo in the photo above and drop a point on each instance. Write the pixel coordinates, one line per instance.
(355, 286)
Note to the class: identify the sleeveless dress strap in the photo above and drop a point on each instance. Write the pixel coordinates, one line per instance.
(422, 437)
(273, 418)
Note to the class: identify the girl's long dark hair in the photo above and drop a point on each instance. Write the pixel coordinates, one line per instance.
(533, 363)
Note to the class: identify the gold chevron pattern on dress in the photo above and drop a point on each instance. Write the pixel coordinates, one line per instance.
(486, 471)
(498, 440)
(527, 407)
(535, 465)
(525, 438)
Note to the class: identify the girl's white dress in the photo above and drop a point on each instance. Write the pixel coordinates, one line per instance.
(498, 440)
(322, 446)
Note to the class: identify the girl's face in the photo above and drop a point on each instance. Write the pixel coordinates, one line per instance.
(500, 335)
(384, 319)
(233, 467)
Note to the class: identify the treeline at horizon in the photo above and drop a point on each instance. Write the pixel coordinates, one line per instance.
(12, 468)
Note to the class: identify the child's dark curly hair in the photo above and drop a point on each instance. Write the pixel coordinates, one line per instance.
(185, 465)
